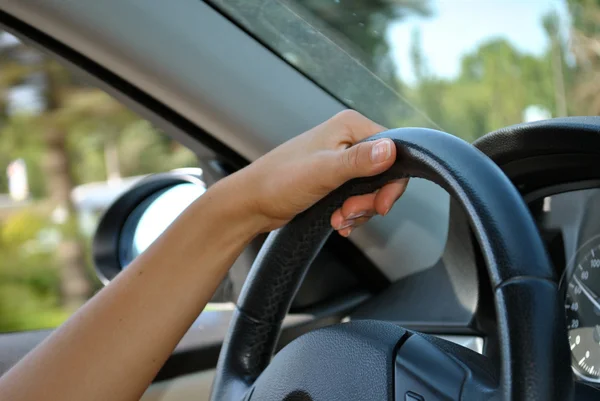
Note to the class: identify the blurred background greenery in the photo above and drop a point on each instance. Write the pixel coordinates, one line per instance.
(465, 67)
(77, 148)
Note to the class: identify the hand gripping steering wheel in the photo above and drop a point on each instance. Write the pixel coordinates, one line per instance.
(372, 360)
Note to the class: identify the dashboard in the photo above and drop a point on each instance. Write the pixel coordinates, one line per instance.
(570, 225)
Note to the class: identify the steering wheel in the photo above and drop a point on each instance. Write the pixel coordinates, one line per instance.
(374, 360)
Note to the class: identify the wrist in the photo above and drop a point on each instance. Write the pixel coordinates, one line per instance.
(230, 201)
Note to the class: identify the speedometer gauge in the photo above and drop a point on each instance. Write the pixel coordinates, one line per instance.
(582, 306)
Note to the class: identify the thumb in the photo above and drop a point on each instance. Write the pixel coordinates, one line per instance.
(368, 158)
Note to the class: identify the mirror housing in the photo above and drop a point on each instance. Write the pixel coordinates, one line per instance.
(139, 216)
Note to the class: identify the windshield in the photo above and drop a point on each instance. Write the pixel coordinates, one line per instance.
(465, 67)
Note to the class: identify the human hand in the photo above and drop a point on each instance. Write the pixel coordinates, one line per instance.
(298, 173)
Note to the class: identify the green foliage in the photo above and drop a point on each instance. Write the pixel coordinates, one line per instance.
(19, 228)
(586, 50)
(20, 138)
(91, 122)
(29, 280)
(477, 101)
(22, 309)
(143, 150)
(585, 15)
(77, 135)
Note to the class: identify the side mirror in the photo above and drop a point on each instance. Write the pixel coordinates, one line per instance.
(138, 217)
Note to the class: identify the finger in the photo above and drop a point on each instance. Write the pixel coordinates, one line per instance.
(359, 221)
(388, 195)
(364, 160)
(345, 232)
(357, 206)
(343, 224)
(337, 220)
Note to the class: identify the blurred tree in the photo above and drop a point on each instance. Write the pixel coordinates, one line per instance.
(477, 101)
(29, 67)
(585, 46)
(496, 66)
(18, 142)
(29, 278)
(70, 133)
(419, 63)
(28, 282)
(428, 90)
(142, 151)
(551, 24)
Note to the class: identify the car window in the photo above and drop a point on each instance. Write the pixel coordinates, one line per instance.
(67, 150)
(465, 67)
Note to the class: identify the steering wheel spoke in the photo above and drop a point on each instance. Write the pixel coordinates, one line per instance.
(428, 368)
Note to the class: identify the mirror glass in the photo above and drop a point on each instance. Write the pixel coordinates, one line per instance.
(153, 216)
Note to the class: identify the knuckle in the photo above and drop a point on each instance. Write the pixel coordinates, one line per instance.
(347, 115)
(354, 156)
(346, 158)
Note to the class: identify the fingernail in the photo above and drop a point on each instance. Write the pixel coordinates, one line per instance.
(356, 215)
(345, 224)
(381, 151)
(349, 231)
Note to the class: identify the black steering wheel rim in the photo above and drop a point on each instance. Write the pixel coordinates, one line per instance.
(535, 362)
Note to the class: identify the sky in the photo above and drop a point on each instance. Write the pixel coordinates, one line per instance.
(459, 26)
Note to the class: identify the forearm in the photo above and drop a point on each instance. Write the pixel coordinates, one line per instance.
(113, 346)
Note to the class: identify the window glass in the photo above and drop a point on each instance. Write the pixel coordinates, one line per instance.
(464, 66)
(67, 150)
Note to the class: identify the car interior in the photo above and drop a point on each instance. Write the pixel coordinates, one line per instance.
(481, 283)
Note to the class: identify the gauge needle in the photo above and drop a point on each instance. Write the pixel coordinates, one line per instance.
(588, 293)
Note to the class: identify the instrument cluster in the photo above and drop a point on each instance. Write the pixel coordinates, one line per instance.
(570, 225)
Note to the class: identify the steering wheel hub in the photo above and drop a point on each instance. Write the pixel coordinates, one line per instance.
(372, 360)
